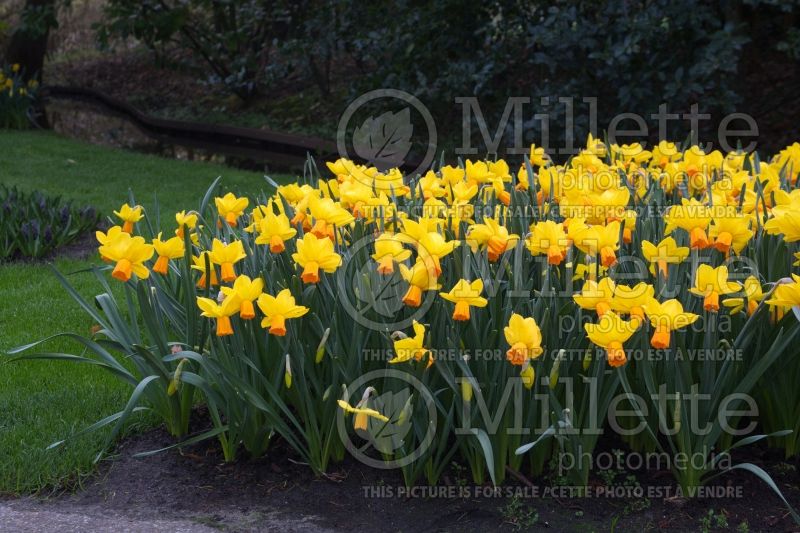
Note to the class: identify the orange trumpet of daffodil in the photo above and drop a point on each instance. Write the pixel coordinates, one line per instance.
(710, 283)
(666, 317)
(548, 238)
(173, 248)
(277, 309)
(420, 277)
(610, 333)
(130, 216)
(388, 251)
(662, 254)
(129, 254)
(465, 295)
(524, 338)
(226, 255)
(247, 290)
(314, 254)
(231, 208)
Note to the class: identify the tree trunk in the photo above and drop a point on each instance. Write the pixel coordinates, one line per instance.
(28, 44)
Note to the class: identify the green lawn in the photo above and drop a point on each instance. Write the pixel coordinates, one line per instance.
(43, 402)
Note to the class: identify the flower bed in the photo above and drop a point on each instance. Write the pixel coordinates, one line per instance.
(499, 319)
(33, 225)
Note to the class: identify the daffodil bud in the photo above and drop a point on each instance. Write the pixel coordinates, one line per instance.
(287, 375)
(527, 374)
(676, 414)
(466, 390)
(175, 383)
(321, 347)
(554, 371)
(587, 360)
(405, 413)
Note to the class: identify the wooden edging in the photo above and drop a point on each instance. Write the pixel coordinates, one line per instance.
(282, 149)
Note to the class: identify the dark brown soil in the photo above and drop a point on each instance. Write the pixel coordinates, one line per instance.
(276, 493)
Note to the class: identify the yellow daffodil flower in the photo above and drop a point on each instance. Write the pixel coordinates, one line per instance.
(465, 295)
(595, 146)
(631, 300)
(274, 229)
(478, 172)
(173, 248)
(524, 338)
(200, 265)
(596, 296)
(420, 277)
(247, 290)
(538, 157)
(327, 214)
(548, 238)
(604, 239)
(786, 294)
(690, 216)
(226, 255)
(666, 317)
(107, 238)
(129, 254)
(277, 309)
(222, 312)
(188, 220)
(231, 208)
(431, 245)
(430, 186)
(407, 348)
(313, 254)
(753, 295)
(550, 182)
(710, 283)
(664, 153)
(493, 236)
(452, 175)
(464, 191)
(610, 333)
(362, 412)
(662, 254)
(388, 251)
(130, 216)
(786, 222)
(730, 232)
